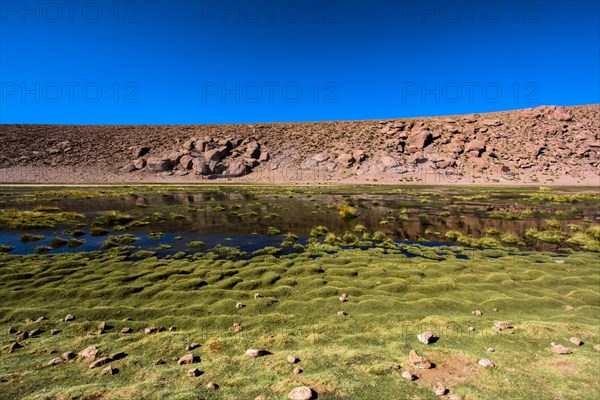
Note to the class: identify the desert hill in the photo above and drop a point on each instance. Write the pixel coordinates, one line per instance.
(549, 145)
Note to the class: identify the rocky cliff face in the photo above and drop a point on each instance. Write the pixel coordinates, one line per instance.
(544, 144)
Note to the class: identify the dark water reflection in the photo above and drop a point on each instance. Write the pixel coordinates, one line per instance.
(239, 215)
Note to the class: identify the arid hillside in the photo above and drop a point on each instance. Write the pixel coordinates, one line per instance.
(550, 145)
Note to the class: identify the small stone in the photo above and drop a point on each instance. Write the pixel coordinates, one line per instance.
(55, 361)
(102, 326)
(192, 346)
(292, 359)
(35, 332)
(99, 362)
(470, 329)
(417, 361)
(28, 320)
(172, 328)
(484, 362)
(477, 312)
(296, 371)
(160, 361)
(495, 310)
(341, 314)
(89, 353)
(257, 295)
(253, 353)
(126, 330)
(455, 397)
(161, 329)
(597, 347)
(69, 317)
(501, 325)
(576, 341)
(343, 299)
(40, 319)
(560, 349)
(69, 355)
(212, 386)
(236, 327)
(14, 346)
(23, 336)
(150, 330)
(118, 355)
(407, 375)
(187, 359)
(240, 305)
(568, 308)
(194, 372)
(301, 393)
(54, 331)
(108, 371)
(425, 337)
(440, 390)
(491, 350)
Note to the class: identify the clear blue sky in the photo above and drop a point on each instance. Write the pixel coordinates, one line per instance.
(151, 62)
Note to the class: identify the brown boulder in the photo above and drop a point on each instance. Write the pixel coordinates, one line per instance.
(156, 164)
(100, 362)
(200, 167)
(186, 162)
(301, 393)
(420, 139)
(345, 160)
(417, 361)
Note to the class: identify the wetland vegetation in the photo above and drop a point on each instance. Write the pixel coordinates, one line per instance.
(263, 267)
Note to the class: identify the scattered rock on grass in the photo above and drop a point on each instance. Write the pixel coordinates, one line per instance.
(69, 355)
(240, 305)
(187, 359)
(301, 393)
(40, 319)
(425, 337)
(297, 371)
(150, 330)
(292, 359)
(576, 341)
(440, 390)
(212, 386)
(455, 397)
(477, 312)
(254, 352)
(126, 330)
(344, 298)
(417, 361)
(14, 346)
(35, 332)
(342, 314)
(501, 325)
(160, 361)
(236, 327)
(194, 372)
(54, 331)
(118, 355)
(560, 349)
(257, 295)
(55, 361)
(89, 353)
(568, 308)
(102, 326)
(22, 336)
(99, 362)
(108, 370)
(470, 329)
(597, 347)
(484, 362)
(491, 350)
(192, 346)
(407, 375)
(68, 317)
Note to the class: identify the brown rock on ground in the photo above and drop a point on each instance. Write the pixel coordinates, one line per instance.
(301, 393)
(417, 361)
